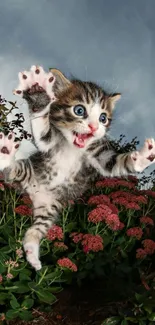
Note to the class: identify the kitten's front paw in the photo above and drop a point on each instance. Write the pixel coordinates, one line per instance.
(36, 86)
(8, 148)
(144, 157)
(32, 255)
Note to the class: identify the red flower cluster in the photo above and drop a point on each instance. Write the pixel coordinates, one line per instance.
(99, 214)
(135, 232)
(60, 245)
(149, 249)
(113, 208)
(149, 246)
(129, 197)
(128, 205)
(113, 222)
(67, 263)
(99, 199)
(55, 232)
(147, 220)
(148, 193)
(26, 199)
(140, 253)
(92, 243)
(133, 179)
(1, 278)
(103, 213)
(23, 210)
(76, 237)
(114, 182)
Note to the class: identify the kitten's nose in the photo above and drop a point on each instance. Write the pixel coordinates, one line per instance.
(93, 127)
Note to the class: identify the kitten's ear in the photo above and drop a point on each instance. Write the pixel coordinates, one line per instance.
(114, 98)
(61, 82)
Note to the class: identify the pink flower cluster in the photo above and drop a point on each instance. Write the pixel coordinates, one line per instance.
(65, 262)
(99, 199)
(19, 252)
(60, 245)
(114, 182)
(128, 200)
(135, 232)
(55, 232)
(88, 241)
(99, 214)
(103, 213)
(148, 249)
(76, 237)
(147, 220)
(92, 243)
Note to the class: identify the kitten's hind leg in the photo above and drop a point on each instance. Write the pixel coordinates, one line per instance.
(44, 217)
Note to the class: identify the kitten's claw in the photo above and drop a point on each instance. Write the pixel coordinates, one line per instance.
(32, 255)
(8, 148)
(144, 157)
(35, 80)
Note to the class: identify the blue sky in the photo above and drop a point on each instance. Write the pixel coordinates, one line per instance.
(107, 41)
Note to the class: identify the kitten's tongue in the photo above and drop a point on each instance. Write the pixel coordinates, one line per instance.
(80, 139)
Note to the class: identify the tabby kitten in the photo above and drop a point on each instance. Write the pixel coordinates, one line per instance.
(69, 120)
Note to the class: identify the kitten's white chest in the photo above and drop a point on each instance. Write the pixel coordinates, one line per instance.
(67, 164)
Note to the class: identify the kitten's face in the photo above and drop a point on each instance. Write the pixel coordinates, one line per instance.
(83, 112)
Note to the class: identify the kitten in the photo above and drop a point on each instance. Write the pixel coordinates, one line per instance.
(69, 121)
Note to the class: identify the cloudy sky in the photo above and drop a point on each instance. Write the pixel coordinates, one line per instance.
(107, 41)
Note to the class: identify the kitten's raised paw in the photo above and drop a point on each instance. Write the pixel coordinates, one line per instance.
(144, 157)
(8, 148)
(32, 255)
(35, 81)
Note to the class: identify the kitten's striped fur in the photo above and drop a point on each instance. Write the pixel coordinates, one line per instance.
(72, 150)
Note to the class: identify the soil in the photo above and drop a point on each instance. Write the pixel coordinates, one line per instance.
(75, 306)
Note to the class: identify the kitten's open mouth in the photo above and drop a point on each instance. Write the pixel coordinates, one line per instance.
(80, 138)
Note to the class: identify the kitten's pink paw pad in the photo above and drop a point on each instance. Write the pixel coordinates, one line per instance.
(35, 80)
(8, 148)
(144, 157)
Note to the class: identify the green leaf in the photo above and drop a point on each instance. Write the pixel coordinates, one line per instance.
(148, 309)
(14, 303)
(124, 322)
(70, 226)
(27, 303)
(55, 289)
(2, 269)
(26, 315)
(152, 317)
(21, 287)
(46, 296)
(11, 314)
(25, 275)
(33, 286)
(111, 321)
(139, 297)
(52, 275)
(3, 296)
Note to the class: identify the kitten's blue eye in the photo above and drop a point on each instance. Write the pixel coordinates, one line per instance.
(103, 118)
(79, 110)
